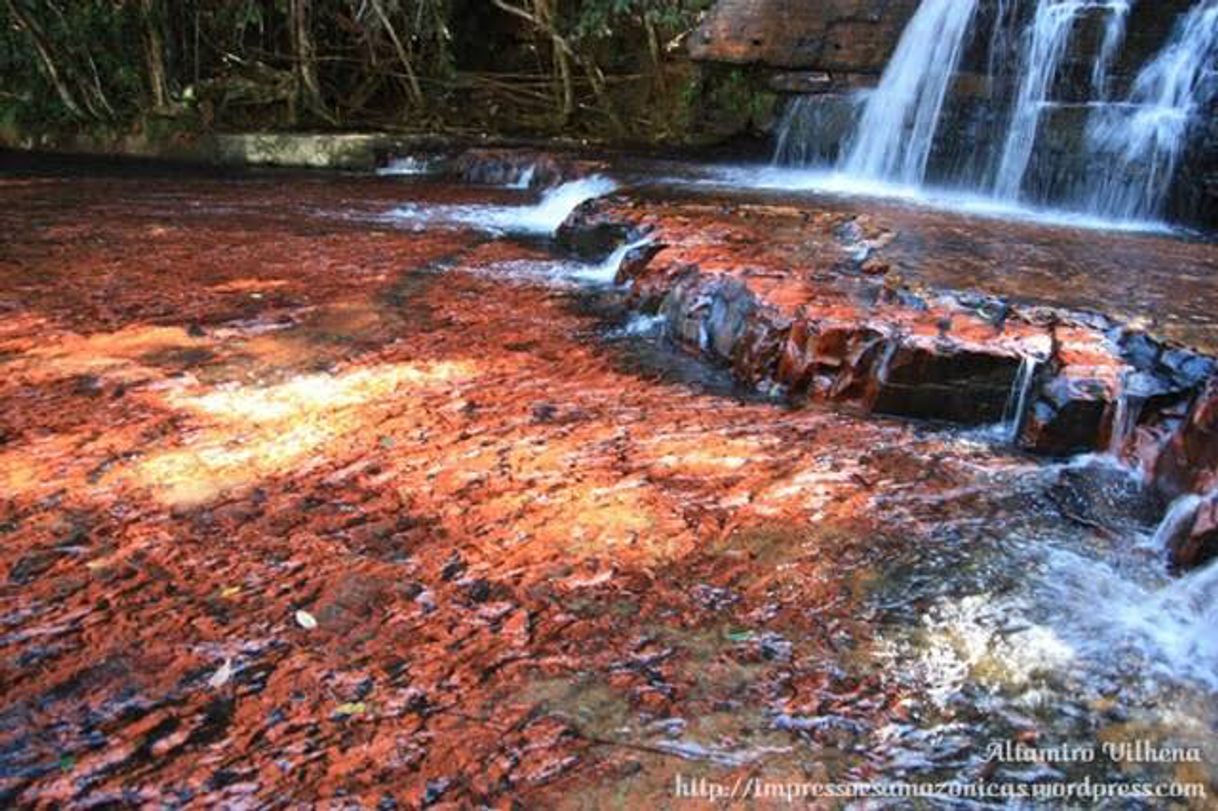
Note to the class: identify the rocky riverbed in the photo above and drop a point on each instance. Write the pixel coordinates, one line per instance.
(377, 490)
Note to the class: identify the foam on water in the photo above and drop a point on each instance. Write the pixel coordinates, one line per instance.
(1105, 613)
(409, 165)
(836, 184)
(540, 219)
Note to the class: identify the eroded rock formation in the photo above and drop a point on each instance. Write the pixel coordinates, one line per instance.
(846, 327)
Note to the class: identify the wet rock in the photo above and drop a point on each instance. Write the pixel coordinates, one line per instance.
(1199, 545)
(511, 167)
(1107, 497)
(1067, 416)
(759, 348)
(636, 260)
(593, 231)
(944, 380)
(731, 305)
(828, 356)
(1189, 461)
(845, 35)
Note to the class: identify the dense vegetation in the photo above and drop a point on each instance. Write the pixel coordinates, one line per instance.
(608, 67)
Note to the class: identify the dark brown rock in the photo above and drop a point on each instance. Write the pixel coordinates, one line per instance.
(1067, 417)
(943, 380)
(508, 167)
(593, 231)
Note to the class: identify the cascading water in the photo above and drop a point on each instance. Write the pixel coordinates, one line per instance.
(1179, 517)
(541, 218)
(606, 272)
(1114, 38)
(899, 122)
(1146, 137)
(1045, 47)
(1110, 155)
(1017, 403)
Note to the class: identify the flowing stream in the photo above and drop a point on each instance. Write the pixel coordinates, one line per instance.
(398, 484)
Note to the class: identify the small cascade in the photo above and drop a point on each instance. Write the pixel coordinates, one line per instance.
(540, 219)
(1017, 403)
(1128, 410)
(894, 138)
(1146, 137)
(1168, 625)
(407, 166)
(525, 181)
(809, 131)
(606, 272)
(1177, 520)
(883, 368)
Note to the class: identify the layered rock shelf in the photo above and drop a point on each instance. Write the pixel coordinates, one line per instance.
(844, 326)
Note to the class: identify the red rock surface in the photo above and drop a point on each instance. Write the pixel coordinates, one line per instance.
(522, 553)
(542, 569)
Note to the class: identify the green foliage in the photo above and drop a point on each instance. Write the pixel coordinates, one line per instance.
(234, 62)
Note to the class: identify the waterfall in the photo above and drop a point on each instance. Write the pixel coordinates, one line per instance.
(1044, 47)
(1146, 137)
(1017, 402)
(1115, 160)
(882, 369)
(809, 131)
(1124, 421)
(1114, 38)
(894, 138)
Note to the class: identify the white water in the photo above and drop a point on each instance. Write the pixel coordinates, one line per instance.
(1135, 390)
(1114, 37)
(1105, 613)
(406, 166)
(1179, 518)
(1128, 157)
(540, 218)
(1044, 48)
(525, 181)
(606, 271)
(1146, 137)
(894, 137)
(1017, 403)
(837, 184)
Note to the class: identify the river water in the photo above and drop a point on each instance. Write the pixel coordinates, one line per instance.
(541, 553)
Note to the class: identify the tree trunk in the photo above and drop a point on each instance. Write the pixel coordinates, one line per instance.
(304, 53)
(45, 57)
(154, 54)
(416, 92)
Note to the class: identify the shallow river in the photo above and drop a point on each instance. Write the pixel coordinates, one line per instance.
(356, 487)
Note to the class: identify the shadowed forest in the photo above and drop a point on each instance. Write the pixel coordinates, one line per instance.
(609, 68)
